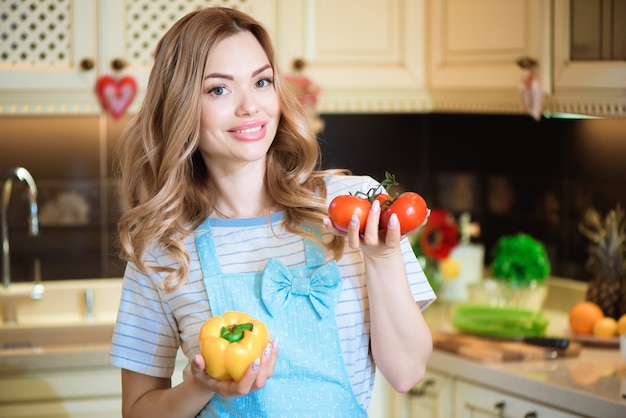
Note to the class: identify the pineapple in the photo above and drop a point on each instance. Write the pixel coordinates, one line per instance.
(606, 249)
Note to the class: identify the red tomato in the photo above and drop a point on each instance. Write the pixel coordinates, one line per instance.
(411, 210)
(382, 198)
(343, 207)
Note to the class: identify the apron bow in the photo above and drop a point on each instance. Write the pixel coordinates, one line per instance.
(279, 285)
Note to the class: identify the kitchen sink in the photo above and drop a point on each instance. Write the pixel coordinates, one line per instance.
(70, 326)
(54, 336)
(62, 302)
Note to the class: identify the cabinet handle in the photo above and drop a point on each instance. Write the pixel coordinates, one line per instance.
(118, 64)
(532, 414)
(500, 407)
(87, 64)
(421, 390)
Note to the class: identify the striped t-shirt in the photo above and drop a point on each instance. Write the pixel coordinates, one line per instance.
(153, 324)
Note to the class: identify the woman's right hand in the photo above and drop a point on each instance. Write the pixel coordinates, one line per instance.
(255, 378)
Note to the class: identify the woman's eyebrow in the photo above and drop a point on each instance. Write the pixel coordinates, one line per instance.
(230, 77)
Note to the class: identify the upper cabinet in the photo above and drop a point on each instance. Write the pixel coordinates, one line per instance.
(47, 56)
(366, 55)
(590, 57)
(474, 46)
(52, 52)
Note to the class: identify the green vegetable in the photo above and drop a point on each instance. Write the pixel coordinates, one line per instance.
(520, 260)
(498, 321)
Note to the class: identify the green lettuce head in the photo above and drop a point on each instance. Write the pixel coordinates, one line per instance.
(520, 260)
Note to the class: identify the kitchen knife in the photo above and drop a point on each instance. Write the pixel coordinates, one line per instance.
(550, 342)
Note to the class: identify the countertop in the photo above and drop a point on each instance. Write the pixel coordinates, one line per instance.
(592, 383)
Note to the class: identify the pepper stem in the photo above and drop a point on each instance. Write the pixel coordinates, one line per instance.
(234, 333)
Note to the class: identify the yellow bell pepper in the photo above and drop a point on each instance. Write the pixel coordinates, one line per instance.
(230, 343)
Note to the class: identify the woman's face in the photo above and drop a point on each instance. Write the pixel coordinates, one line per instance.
(240, 109)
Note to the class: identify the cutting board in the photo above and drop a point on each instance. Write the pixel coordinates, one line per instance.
(497, 350)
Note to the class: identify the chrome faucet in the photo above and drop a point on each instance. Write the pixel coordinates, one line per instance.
(21, 174)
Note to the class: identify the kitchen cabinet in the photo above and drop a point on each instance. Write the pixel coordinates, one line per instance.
(474, 401)
(474, 47)
(53, 52)
(367, 55)
(441, 395)
(431, 398)
(70, 392)
(591, 87)
(83, 393)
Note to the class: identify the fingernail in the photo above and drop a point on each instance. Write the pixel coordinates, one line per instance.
(268, 350)
(393, 220)
(375, 206)
(275, 344)
(325, 220)
(256, 364)
(354, 221)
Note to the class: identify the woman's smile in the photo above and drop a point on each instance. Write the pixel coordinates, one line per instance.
(253, 131)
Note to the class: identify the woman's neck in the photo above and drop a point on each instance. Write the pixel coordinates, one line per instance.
(242, 196)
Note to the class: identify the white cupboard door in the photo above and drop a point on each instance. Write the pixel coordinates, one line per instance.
(431, 398)
(48, 52)
(366, 55)
(585, 87)
(475, 44)
(570, 74)
(130, 30)
(52, 52)
(473, 401)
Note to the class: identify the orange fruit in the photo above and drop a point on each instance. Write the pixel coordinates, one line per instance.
(583, 315)
(605, 327)
(621, 325)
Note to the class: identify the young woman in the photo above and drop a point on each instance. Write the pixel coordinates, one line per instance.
(225, 210)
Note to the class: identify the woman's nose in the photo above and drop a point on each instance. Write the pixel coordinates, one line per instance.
(247, 106)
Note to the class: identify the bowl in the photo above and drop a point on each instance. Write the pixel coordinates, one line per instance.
(499, 293)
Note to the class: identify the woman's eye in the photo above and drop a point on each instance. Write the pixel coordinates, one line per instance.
(218, 91)
(264, 82)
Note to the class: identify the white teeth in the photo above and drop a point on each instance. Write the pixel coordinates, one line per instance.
(249, 130)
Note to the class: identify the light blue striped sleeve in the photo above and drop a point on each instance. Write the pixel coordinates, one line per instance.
(144, 339)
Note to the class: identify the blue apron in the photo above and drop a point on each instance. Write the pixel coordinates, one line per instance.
(297, 306)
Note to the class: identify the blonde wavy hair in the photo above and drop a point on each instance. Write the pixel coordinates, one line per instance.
(166, 189)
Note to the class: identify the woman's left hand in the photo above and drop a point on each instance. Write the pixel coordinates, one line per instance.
(255, 377)
(373, 240)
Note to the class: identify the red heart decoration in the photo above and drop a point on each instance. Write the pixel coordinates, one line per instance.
(116, 95)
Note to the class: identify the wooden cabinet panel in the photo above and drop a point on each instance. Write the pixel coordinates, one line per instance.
(365, 55)
(42, 65)
(570, 74)
(473, 401)
(585, 87)
(476, 44)
(79, 392)
(431, 398)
